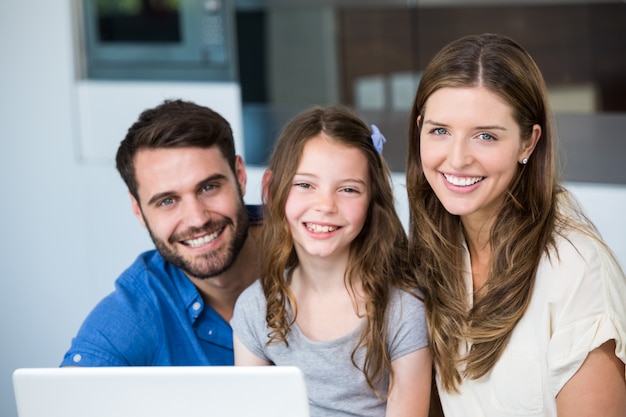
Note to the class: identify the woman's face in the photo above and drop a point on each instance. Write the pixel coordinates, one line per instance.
(471, 148)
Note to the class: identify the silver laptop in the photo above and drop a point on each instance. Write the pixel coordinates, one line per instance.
(223, 391)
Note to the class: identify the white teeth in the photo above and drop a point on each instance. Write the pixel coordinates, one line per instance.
(462, 181)
(318, 228)
(195, 243)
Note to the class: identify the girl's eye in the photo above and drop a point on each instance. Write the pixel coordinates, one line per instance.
(486, 136)
(302, 185)
(350, 190)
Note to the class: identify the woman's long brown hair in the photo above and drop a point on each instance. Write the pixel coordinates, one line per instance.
(523, 230)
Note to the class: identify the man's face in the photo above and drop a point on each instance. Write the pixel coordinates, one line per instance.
(192, 204)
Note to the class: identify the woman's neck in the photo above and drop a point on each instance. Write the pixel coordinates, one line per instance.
(477, 237)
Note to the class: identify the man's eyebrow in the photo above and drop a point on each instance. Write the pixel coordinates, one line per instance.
(210, 178)
(159, 196)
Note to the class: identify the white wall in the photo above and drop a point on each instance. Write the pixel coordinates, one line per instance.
(66, 226)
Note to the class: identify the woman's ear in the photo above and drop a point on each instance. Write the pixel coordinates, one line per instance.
(267, 177)
(528, 146)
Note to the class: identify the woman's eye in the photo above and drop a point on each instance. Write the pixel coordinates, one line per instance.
(486, 136)
(439, 131)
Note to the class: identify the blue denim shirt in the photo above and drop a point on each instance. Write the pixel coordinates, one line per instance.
(155, 317)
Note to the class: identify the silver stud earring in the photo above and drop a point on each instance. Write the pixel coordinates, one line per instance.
(524, 161)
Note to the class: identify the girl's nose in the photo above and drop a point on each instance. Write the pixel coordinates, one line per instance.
(325, 201)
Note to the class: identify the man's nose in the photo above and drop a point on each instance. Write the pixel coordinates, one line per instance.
(195, 213)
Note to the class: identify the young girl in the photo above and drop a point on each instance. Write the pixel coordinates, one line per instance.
(336, 297)
(526, 304)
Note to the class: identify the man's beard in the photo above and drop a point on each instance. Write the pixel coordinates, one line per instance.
(209, 264)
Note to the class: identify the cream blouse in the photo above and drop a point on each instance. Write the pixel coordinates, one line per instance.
(578, 303)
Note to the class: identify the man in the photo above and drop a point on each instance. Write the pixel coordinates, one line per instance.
(173, 304)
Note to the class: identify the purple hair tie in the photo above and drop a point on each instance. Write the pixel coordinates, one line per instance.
(378, 139)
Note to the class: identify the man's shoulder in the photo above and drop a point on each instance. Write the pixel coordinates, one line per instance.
(147, 269)
(144, 263)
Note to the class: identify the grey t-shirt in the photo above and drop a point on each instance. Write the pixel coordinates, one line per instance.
(335, 386)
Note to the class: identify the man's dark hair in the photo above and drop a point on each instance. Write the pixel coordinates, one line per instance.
(173, 124)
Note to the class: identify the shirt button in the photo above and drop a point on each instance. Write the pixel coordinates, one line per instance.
(211, 332)
(196, 306)
(77, 358)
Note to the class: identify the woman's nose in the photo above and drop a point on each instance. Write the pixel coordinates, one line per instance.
(459, 154)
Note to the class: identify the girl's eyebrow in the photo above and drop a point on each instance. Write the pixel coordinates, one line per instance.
(311, 175)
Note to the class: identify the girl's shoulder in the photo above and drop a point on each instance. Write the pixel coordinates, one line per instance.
(403, 299)
(406, 292)
(255, 288)
(251, 296)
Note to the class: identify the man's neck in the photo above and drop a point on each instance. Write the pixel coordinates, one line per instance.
(221, 291)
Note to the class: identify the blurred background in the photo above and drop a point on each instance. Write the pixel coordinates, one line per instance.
(75, 74)
(369, 55)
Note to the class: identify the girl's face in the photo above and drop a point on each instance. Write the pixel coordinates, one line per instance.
(471, 148)
(329, 198)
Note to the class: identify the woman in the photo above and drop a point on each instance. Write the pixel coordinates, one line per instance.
(526, 305)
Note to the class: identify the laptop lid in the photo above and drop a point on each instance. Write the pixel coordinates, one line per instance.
(211, 391)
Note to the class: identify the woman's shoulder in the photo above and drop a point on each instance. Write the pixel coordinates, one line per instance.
(581, 263)
(580, 247)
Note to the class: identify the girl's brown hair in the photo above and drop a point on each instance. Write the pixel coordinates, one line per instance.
(378, 255)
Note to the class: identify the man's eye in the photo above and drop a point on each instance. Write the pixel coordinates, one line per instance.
(208, 187)
(166, 202)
